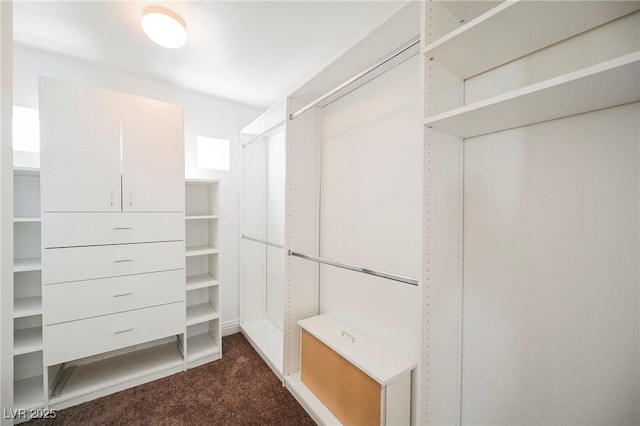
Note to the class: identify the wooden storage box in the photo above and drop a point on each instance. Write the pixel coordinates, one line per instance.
(359, 381)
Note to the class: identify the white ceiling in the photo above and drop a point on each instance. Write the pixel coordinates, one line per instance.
(255, 52)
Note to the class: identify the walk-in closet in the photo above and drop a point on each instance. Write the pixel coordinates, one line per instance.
(334, 213)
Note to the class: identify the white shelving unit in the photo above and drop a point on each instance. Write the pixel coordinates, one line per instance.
(491, 71)
(27, 308)
(204, 335)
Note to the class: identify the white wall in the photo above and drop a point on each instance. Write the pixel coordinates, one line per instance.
(204, 115)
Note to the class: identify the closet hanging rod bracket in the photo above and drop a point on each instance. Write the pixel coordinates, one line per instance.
(267, 243)
(369, 271)
(400, 50)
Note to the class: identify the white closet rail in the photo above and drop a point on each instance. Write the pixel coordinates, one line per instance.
(257, 240)
(370, 271)
(269, 132)
(407, 47)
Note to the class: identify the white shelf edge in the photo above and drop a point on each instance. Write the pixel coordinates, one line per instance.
(27, 340)
(202, 312)
(27, 306)
(446, 120)
(27, 220)
(195, 282)
(200, 251)
(27, 264)
(26, 171)
(202, 217)
(464, 59)
(204, 181)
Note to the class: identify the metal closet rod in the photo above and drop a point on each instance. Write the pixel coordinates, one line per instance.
(265, 134)
(408, 45)
(256, 240)
(377, 273)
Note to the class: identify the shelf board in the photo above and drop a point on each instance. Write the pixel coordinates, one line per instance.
(26, 171)
(200, 346)
(200, 313)
(514, 29)
(201, 251)
(610, 83)
(27, 306)
(102, 374)
(27, 220)
(195, 282)
(27, 340)
(27, 264)
(202, 217)
(28, 393)
(203, 181)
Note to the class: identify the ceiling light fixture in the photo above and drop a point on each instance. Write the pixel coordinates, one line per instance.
(164, 27)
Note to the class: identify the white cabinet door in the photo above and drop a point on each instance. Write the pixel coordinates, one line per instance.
(152, 155)
(80, 147)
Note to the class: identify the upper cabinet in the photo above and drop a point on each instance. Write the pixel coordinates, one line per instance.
(105, 151)
(152, 161)
(80, 147)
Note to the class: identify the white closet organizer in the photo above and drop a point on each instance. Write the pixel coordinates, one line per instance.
(489, 67)
(262, 263)
(113, 276)
(204, 343)
(302, 119)
(27, 313)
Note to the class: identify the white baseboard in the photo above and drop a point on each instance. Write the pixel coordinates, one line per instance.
(230, 327)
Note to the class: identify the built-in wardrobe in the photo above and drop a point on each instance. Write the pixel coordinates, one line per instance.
(516, 214)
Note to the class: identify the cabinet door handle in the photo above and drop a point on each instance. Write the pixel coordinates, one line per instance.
(123, 260)
(122, 294)
(123, 331)
(344, 333)
(121, 229)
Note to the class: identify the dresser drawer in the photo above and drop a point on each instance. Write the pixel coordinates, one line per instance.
(79, 339)
(84, 299)
(90, 229)
(86, 263)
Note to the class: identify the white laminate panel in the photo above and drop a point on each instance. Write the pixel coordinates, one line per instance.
(79, 339)
(85, 299)
(84, 229)
(86, 263)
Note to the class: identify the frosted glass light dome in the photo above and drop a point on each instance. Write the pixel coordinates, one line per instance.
(164, 27)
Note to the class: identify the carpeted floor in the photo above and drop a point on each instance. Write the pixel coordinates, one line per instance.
(239, 389)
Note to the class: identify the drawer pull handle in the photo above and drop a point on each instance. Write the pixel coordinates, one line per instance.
(122, 295)
(122, 229)
(122, 261)
(123, 331)
(344, 333)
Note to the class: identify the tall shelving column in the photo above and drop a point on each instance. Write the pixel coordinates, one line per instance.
(204, 336)
(27, 270)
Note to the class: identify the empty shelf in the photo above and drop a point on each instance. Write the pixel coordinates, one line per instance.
(200, 346)
(200, 251)
(27, 306)
(203, 312)
(27, 340)
(516, 28)
(195, 282)
(27, 220)
(610, 83)
(28, 264)
(201, 217)
(28, 393)
(120, 369)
